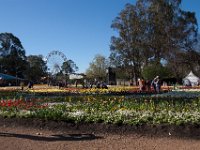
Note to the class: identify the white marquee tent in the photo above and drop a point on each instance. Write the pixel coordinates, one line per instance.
(191, 80)
(76, 76)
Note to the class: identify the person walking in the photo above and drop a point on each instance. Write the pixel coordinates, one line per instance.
(153, 84)
(157, 84)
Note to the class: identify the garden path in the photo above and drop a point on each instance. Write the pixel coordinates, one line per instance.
(27, 138)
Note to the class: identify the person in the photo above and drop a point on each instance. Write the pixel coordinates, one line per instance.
(157, 84)
(30, 84)
(22, 85)
(104, 85)
(98, 85)
(148, 85)
(153, 83)
(60, 84)
(141, 84)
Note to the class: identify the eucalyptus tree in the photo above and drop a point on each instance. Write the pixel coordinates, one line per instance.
(172, 34)
(37, 68)
(97, 68)
(126, 50)
(170, 29)
(12, 55)
(150, 32)
(69, 66)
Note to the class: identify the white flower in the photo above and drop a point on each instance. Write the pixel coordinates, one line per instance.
(77, 113)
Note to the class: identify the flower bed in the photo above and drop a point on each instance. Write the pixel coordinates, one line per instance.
(93, 91)
(149, 109)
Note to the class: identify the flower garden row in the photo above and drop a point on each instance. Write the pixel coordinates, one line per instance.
(110, 90)
(174, 107)
(88, 91)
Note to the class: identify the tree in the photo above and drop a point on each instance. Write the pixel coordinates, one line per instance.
(170, 29)
(97, 68)
(9, 43)
(152, 31)
(152, 70)
(69, 67)
(37, 68)
(125, 49)
(12, 55)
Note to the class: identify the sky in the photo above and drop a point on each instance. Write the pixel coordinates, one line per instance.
(80, 29)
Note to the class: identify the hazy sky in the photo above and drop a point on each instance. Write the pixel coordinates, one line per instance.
(78, 28)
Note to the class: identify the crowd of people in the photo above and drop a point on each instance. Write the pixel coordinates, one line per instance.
(144, 85)
(148, 85)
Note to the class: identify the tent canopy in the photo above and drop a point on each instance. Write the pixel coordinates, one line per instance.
(76, 76)
(8, 77)
(191, 79)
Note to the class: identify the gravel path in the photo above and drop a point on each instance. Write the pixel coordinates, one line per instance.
(27, 138)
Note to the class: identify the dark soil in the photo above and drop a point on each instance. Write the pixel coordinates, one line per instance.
(181, 131)
(37, 134)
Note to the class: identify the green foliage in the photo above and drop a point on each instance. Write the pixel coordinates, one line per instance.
(154, 30)
(13, 59)
(69, 67)
(151, 71)
(37, 68)
(97, 68)
(170, 109)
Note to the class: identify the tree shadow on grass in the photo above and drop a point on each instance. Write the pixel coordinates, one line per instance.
(51, 138)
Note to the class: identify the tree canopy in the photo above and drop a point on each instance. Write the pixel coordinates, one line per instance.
(12, 55)
(13, 60)
(154, 32)
(97, 68)
(36, 68)
(69, 66)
